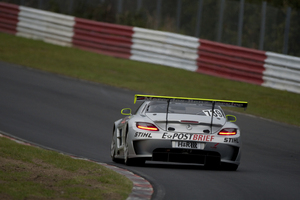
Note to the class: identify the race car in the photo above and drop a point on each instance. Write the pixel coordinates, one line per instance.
(178, 129)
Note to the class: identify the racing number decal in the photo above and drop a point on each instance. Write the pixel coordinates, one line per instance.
(217, 113)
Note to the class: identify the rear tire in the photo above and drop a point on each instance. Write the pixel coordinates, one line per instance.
(113, 148)
(212, 163)
(128, 161)
(131, 161)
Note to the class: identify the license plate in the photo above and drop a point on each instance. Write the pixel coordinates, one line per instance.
(187, 145)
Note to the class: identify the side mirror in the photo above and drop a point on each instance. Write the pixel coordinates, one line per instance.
(126, 111)
(231, 118)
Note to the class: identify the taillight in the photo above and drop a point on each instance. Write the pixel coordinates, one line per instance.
(146, 126)
(228, 131)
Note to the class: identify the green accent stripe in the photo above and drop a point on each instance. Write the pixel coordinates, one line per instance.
(141, 97)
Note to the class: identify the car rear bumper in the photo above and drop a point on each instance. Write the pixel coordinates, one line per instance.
(162, 150)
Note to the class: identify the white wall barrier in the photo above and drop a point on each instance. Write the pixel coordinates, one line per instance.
(282, 72)
(47, 26)
(165, 48)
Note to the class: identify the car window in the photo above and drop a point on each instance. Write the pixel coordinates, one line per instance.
(184, 108)
(157, 107)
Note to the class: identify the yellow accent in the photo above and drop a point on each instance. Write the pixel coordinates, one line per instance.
(122, 111)
(231, 116)
(187, 98)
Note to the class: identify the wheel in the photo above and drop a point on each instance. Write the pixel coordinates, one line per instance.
(127, 160)
(113, 147)
(131, 161)
(229, 166)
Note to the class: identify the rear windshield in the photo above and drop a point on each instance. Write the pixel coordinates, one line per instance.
(184, 108)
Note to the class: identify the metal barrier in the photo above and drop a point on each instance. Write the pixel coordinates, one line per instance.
(169, 49)
(47, 26)
(231, 62)
(282, 72)
(104, 38)
(8, 18)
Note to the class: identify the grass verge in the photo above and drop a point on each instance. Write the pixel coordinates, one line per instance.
(28, 172)
(148, 78)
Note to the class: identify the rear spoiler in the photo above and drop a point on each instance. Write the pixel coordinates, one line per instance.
(227, 103)
(213, 102)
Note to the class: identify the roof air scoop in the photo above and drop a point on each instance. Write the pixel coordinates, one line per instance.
(206, 131)
(171, 129)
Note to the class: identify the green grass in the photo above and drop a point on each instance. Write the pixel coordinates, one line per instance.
(148, 78)
(32, 173)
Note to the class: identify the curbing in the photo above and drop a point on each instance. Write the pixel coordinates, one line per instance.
(141, 189)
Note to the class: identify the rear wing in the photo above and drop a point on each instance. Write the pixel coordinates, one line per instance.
(227, 103)
(212, 102)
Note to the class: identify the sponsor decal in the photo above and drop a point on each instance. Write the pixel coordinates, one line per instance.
(178, 136)
(143, 135)
(207, 138)
(231, 140)
(188, 136)
(241, 104)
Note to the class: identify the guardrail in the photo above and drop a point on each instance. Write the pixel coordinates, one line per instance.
(47, 26)
(231, 62)
(164, 48)
(9, 18)
(168, 49)
(103, 38)
(282, 72)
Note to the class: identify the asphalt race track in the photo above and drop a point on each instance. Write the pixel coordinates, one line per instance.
(76, 117)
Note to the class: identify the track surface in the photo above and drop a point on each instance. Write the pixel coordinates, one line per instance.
(76, 117)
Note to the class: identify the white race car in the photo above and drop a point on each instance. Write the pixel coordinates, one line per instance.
(178, 129)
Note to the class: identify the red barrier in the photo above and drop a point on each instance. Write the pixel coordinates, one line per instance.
(231, 62)
(104, 38)
(8, 18)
